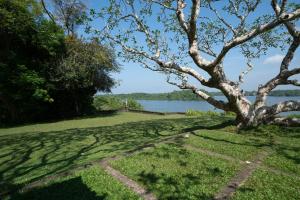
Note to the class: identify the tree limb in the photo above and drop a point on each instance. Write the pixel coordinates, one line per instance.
(48, 12)
(285, 17)
(218, 104)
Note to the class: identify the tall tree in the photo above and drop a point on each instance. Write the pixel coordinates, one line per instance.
(43, 73)
(196, 45)
(84, 70)
(28, 44)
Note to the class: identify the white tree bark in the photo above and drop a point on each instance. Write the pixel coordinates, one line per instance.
(248, 114)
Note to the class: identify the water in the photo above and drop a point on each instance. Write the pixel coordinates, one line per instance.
(183, 106)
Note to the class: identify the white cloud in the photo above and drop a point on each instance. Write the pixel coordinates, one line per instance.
(273, 59)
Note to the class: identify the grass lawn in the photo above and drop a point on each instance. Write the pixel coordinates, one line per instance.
(88, 184)
(267, 185)
(104, 120)
(171, 171)
(239, 146)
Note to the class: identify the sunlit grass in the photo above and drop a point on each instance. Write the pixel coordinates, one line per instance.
(32, 152)
(176, 173)
(267, 185)
(89, 122)
(238, 146)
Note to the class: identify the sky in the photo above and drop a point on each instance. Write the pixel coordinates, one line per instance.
(134, 78)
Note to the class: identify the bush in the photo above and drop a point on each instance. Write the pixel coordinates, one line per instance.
(133, 104)
(104, 103)
(199, 113)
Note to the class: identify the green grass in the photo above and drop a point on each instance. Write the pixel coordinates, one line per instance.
(89, 184)
(239, 146)
(47, 149)
(32, 152)
(285, 148)
(286, 154)
(176, 173)
(267, 185)
(109, 120)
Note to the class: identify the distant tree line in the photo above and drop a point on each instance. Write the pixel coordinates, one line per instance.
(46, 70)
(183, 95)
(187, 95)
(275, 93)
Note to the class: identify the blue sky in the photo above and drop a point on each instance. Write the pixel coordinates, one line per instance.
(134, 78)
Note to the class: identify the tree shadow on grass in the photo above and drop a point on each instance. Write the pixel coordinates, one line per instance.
(73, 189)
(282, 141)
(170, 188)
(31, 156)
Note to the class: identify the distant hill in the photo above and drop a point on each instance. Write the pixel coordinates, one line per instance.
(187, 95)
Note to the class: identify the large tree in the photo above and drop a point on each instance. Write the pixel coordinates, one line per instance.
(28, 46)
(175, 38)
(44, 73)
(85, 69)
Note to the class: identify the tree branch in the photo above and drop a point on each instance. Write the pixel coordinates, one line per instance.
(222, 19)
(48, 12)
(285, 17)
(278, 11)
(285, 106)
(218, 104)
(191, 30)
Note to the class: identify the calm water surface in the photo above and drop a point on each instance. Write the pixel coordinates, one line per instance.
(183, 106)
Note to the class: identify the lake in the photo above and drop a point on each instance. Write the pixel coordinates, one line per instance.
(183, 106)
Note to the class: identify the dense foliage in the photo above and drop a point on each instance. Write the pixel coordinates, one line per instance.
(80, 74)
(43, 73)
(106, 103)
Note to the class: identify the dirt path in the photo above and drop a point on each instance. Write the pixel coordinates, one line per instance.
(240, 178)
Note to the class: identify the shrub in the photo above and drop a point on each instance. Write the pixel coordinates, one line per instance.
(199, 113)
(102, 103)
(107, 103)
(133, 104)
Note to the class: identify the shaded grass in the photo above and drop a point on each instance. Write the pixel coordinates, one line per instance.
(103, 120)
(172, 172)
(29, 156)
(91, 184)
(28, 153)
(267, 185)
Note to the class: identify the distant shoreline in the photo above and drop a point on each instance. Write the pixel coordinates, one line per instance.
(186, 95)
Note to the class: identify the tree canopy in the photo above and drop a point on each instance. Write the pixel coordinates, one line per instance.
(45, 73)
